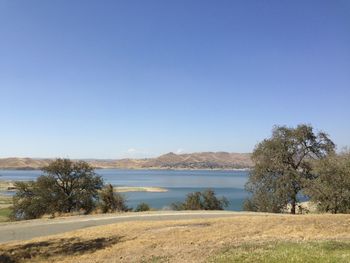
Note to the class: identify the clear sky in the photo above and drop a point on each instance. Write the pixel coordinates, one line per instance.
(112, 79)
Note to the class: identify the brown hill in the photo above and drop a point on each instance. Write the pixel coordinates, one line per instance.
(203, 160)
(23, 163)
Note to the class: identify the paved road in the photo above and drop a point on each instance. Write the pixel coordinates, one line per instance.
(25, 230)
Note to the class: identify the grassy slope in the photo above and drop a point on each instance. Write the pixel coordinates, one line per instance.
(4, 214)
(5, 203)
(246, 238)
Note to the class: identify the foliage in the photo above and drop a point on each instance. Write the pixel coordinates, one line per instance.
(205, 200)
(66, 186)
(331, 189)
(111, 201)
(283, 165)
(31, 200)
(142, 207)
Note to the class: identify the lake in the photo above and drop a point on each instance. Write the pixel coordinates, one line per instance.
(178, 182)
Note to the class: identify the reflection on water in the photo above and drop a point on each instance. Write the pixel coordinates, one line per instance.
(225, 183)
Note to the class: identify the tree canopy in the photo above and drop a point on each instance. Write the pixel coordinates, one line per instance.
(283, 166)
(65, 186)
(331, 189)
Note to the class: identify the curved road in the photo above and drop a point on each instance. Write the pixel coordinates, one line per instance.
(24, 230)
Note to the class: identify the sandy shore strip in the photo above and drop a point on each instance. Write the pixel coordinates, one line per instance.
(6, 185)
(9, 186)
(124, 189)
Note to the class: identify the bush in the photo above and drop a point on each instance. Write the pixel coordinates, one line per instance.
(111, 201)
(142, 207)
(205, 200)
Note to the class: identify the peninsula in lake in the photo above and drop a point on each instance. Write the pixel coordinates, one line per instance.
(202, 160)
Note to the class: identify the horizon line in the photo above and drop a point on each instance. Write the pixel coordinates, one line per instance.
(130, 157)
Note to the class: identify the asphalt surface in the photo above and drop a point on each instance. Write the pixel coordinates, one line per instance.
(25, 230)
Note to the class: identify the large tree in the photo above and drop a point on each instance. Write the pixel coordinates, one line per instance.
(75, 183)
(283, 165)
(331, 189)
(65, 186)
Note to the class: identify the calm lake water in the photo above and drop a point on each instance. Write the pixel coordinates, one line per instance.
(225, 183)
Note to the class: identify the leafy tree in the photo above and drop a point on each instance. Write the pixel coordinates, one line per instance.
(205, 200)
(142, 207)
(28, 202)
(65, 186)
(75, 183)
(283, 165)
(331, 189)
(112, 201)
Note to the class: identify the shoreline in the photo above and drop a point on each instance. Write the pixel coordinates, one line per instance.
(145, 169)
(149, 189)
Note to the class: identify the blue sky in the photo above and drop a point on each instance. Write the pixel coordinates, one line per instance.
(112, 79)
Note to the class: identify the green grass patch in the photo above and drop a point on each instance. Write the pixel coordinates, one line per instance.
(306, 252)
(5, 214)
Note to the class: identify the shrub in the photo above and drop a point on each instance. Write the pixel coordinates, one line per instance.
(111, 201)
(142, 207)
(205, 200)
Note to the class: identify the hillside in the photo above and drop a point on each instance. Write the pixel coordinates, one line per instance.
(203, 160)
(23, 163)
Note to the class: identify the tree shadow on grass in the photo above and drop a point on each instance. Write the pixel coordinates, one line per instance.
(55, 247)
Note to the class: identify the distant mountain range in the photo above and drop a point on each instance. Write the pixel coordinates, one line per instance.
(202, 160)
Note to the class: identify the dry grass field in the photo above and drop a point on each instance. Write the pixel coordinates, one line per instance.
(5, 201)
(246, 238)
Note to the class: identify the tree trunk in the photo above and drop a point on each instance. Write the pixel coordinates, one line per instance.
(293, 206)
